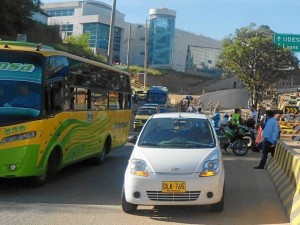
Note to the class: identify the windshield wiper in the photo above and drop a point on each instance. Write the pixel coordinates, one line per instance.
(148, 144)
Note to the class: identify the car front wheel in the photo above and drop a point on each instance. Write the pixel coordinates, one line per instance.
(218, 207)
(126, 206)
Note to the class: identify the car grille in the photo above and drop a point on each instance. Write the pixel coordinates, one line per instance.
(174, 197)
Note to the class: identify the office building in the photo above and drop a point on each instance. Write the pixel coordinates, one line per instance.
(168, 47)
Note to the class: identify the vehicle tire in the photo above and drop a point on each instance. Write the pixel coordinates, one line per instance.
(99, 159)
(126, 206)
(250, 143)
(248, 140)
(239, 148)
(51, 171)
(218, 207)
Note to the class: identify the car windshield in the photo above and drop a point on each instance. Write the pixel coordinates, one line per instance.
(146, 112)
(177, 133)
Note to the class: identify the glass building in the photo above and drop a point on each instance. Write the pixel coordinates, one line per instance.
(99, 38)
(161, 38)
(202, 60)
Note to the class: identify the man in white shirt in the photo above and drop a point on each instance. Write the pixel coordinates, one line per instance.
(254, 113)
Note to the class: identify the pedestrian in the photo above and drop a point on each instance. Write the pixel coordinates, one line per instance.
(216, 117)
(252, 120)
(199, 111)
(191, 108)
(218, 105)
(253, 113)
(225, 120)
(269, 137)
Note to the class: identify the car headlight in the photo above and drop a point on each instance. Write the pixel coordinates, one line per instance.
(138, 167)
(210, 168)
(19, 137)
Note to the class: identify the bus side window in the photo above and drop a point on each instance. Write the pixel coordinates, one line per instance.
(89, 99)
(56, 99)
(53, 98)
(72, 98)
(128, 102)
(121, 101)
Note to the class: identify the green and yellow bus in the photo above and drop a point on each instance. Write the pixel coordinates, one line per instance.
(57, 109)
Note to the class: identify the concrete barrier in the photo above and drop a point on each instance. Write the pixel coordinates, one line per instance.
(284, 169)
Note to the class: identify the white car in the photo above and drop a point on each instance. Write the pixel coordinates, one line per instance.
(176, 160)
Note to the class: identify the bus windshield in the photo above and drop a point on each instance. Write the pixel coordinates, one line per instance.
(160, 98)
(158, 95)
(20, 86)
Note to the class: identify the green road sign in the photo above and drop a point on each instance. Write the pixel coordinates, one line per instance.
(291, 41)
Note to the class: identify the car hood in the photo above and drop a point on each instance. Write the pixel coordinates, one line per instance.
(174, 161)
(142, 117)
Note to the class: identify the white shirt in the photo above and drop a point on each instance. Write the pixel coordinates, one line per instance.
(254, 115)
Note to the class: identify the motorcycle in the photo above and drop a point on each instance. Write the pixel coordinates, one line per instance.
(232, 137)
(249, 138)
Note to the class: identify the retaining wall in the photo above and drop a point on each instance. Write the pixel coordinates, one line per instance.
(284, 169)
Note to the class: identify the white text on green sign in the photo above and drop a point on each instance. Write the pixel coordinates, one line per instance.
(16, 67)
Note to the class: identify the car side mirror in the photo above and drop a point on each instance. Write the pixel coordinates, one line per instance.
(132, 139)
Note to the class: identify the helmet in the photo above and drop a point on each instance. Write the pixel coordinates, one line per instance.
(226, 115)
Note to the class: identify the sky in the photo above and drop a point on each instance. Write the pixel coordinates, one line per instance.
(216, 18)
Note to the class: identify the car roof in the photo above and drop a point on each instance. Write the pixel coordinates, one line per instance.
(148, 107)
(180, 114)
(151, 104)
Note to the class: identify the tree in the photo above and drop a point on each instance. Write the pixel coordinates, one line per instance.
(15, 16)
(251, 56)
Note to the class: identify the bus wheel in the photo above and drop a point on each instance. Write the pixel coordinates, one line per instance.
(51, 170)
(99, 159)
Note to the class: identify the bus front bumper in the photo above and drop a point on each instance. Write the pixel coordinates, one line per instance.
(19, 162)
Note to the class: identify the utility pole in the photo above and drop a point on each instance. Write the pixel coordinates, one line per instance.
(146, 55)
(111, 34)
(128, 47)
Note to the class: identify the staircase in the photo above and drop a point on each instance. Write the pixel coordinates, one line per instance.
(136, 84)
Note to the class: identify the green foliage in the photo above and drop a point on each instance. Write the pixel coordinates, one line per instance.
(42, 33)
(251, 56)
(137, 69)
(78, 45)
(79, 40)
(15, 16)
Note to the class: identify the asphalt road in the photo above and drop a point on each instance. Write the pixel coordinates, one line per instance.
(85, 194)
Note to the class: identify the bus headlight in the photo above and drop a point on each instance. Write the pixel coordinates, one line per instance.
(19, 137)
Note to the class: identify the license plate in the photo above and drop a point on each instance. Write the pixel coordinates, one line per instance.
(173, 186)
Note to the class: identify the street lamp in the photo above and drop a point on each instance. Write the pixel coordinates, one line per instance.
(146, 56)
(111, 34)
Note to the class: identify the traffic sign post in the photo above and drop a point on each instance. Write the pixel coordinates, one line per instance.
(290, 41)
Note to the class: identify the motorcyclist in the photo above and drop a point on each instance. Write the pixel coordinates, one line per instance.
(236, 118)
(236, 121)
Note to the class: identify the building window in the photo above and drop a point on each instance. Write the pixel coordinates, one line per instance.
(161, 41)
(142, 53)
(99, 37)
(67, 29)
(203, 61)
(60, 12)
